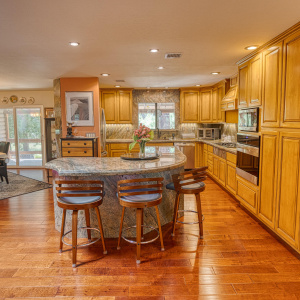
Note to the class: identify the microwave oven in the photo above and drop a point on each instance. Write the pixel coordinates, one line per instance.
(209, 133)
(248, 119)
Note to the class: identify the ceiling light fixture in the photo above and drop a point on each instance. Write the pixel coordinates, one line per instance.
(74, 44)
(197, 84)
(105, 74)
(252, 47)
(117, 86)
(215, 73)
(154, 50)
(148, 87)
(160, 68)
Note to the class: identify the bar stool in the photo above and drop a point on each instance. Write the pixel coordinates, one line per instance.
(133, 194)
(80, 195)
(189, 182)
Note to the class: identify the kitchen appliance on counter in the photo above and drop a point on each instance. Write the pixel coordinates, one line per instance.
(248, 157)
(188, 149)
(248, 119)
(102, 133)
(209, 133)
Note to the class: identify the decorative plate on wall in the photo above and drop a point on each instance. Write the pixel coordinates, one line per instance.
(5, 100)
(31, 100)
(22, 100)
(13, 99)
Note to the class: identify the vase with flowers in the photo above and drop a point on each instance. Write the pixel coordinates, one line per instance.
(142, 135)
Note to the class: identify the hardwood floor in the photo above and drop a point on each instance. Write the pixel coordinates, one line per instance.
(237, 259)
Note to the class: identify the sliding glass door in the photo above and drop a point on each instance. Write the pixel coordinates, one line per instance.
(23, 128)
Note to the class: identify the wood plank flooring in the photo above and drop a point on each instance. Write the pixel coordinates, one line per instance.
(237, 259)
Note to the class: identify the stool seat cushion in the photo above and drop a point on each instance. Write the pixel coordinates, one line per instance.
(140, 198)
(79, 200)
(193, 186)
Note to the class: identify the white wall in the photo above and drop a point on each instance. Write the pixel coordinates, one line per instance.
(45, 98)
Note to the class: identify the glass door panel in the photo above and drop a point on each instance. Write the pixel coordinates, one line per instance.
(29, 136)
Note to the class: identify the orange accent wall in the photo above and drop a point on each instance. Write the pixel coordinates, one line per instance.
(81, 84)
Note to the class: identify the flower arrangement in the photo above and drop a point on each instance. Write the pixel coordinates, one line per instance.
(142, 135)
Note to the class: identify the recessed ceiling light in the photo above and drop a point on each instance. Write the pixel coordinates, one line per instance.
(74, 44)
(166, 87)
(148, 87)
(105, 74)
(117, 86)
(253, 47)
(160, 68)
(154, 50)
(215, 73)
(197, 84)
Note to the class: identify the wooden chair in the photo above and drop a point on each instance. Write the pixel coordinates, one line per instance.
(4, 148)
(189, 182)
(140, 194)
(80, 195)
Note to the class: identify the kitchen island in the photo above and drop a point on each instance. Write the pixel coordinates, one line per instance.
(110, 170)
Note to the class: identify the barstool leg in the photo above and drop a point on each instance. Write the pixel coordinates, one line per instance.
(121, 226)
(101, 229)
(198, 200)
(74, 237)
(62, 230)
(138, 234)
(160, 231)
(175, 213)
(142, 222)
(88, 224)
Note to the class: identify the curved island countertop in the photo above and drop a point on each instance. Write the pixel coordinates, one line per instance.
(110, 170)
(170, 158)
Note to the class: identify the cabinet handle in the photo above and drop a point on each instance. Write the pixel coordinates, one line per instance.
(68, 144)
(84, 151)
(69, 152)
(84, 144)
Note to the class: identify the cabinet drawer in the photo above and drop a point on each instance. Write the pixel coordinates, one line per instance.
(247, 194)
(231, 157)
(80, 144)
(118, 146)
(77, 152)
(228, 105)
(210, 148)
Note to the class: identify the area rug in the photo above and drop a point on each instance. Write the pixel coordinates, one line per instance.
(20, 185)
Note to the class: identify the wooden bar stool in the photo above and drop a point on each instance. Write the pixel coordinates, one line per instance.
(80, 195)
(189, 182)
(133, 194)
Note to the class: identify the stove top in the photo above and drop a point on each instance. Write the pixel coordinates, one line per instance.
(227, 145)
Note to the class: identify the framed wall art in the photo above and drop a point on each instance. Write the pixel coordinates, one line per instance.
(49, 112)
(79, 108)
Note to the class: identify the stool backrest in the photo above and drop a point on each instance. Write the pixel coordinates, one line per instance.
(4, 147)
(89, 187)
(134, 187)
(189, 178)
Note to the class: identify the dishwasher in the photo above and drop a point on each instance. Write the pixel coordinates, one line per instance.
(188, 149)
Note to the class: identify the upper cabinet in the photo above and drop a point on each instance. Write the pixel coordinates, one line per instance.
(206, 106)
(117, 105)
(290, 109)
(243, 85)
(229, 99)
(254, 81)
(189, 106)
(271, 86)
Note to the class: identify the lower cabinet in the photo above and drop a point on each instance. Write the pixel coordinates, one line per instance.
(231, 177)
(222, 171)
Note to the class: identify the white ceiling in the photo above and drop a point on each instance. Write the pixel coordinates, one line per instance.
(115, 37)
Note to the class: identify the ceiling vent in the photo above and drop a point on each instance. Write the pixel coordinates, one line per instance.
(172, 55)
(120, 80)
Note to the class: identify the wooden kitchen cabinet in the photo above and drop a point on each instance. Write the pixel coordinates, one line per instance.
(271, 86)
(206, 106)
(288, 203)
(117, 105)
(243, 85)
(231, 177)
(221, 93)
(268, 177)
(254, 81)
(215, 105)
(229, 100)
(189, 106)
(290, 108)
(222, 171)
(79, 147)
(216, 166)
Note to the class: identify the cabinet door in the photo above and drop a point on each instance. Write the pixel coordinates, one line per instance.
(290, 112)
(205, 106)
(189, 106)
(124, 107)
(254, 81)
(205, 157)
(288, 204)
(109, 104)
(221, 94)
(231, 177)
(243, 85)
(222, 171)
(215, 105)
(271, 88)
(268, 177)
(117, 153)
(199, 155)
(216, 166)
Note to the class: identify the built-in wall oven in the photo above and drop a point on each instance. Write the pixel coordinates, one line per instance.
(248, 157)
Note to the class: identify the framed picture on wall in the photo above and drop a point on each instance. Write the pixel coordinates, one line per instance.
(49, 112)
(79, 108)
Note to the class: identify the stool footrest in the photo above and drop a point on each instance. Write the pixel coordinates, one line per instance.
(188, 223)
(82, 245)
(144, 242)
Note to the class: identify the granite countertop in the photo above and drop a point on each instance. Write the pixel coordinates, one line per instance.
(170, 158)
(214, 144)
